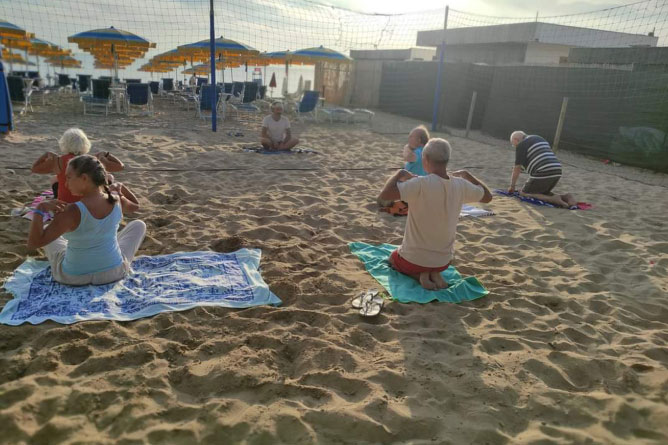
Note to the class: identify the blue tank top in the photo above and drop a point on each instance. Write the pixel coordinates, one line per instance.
(416, 167)
(93, 246)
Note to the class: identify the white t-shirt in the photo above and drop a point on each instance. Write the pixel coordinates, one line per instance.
(434, 204)
(276, 129)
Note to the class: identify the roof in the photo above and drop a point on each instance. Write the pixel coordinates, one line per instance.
(534, 32)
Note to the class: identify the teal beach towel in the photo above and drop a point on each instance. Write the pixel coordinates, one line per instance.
(407, 290)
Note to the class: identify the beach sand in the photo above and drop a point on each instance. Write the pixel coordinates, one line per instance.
(570, 346)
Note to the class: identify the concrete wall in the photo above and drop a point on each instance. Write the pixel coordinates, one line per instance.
(545, 53)
(490, 53)
(534, 32)
(621, 56)
(613, 114)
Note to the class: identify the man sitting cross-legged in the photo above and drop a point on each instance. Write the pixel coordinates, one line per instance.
(276, 134)
(434, 203)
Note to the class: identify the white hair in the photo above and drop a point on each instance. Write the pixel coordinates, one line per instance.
(517, 135)
(74, 141)
(277, 104)
(437, 150)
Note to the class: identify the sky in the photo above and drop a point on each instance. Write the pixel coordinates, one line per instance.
(272, 25)
(485, 7)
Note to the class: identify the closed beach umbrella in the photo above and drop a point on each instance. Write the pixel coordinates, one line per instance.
(272, 82)
(5, 103)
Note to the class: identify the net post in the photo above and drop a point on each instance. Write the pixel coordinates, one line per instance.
(437, 91)
(560, 124)
(214, 96)
(471, 109)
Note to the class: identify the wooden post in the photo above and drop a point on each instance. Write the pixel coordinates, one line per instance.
(471, 108)
(560, 124)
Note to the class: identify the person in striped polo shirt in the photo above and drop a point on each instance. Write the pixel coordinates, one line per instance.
(533, 153)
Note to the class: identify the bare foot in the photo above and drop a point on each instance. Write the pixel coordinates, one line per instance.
(426, 282)
(569, 199)
(437, 278)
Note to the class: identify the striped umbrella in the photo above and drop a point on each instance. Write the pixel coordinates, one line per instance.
(222, 47)
(11, 30)
(112, 46)
(319, 54)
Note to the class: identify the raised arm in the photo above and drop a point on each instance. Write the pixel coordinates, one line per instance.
(408, 154)
(487, 194)
(129, 201)
(67, 218)
(390, 190)
(111, 163)
(46, 164)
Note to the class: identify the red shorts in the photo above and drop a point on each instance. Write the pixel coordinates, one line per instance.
(408, 268)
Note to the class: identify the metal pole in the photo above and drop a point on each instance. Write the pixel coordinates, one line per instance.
(471, 108)
(437, 92)
(560, 124)
(214, 96)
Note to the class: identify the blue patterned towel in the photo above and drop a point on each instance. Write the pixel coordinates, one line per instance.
(163, 283)
(539, 202)
(408, 290)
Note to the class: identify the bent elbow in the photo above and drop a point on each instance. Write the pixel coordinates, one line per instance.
(486, 199)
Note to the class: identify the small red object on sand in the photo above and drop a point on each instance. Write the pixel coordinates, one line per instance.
(605, 161)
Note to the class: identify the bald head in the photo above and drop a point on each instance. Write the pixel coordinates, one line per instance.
(516, 137)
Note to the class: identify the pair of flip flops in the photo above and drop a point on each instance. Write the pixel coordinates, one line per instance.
(369, 303)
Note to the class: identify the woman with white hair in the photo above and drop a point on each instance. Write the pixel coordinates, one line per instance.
(73, 142)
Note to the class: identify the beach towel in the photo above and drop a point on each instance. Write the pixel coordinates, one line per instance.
(538, 202)
(263, 151)
(163, 283)
(408, 290)
(27, 211)
(400, 208)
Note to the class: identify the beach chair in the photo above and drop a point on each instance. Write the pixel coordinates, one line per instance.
(64, 81)
(262, 92)
(246, 105)
(101, 97)
(139, 95)
(84, 83)
(204, 101)
(237, 90)
(132, 80)
(19, 93)
(155, 87)
(228, 87)
(167, 85)
(307, 106)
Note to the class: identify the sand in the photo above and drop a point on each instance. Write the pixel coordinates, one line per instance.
(570, 346)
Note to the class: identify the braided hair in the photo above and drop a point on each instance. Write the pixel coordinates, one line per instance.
(91, 166)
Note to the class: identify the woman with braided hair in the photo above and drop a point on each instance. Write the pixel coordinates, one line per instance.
(82, 243)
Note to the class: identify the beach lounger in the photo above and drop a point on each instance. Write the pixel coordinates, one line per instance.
(307, 106)
(246, 104)
(204, 101)
(19, 93)
(155, 87)
(101, 97)
(167, 85)
(132, 80)
(139, 95)
(339, 114)
(84, 83)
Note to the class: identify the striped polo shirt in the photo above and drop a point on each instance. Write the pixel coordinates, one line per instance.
(537, 158)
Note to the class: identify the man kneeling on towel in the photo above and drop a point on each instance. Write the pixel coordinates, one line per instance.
(434, 203)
